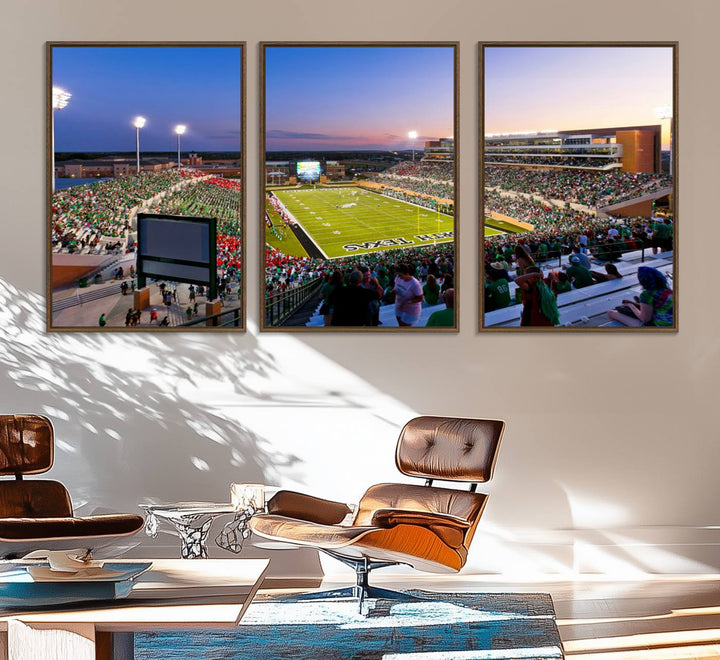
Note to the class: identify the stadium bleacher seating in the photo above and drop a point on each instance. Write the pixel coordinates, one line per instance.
(387, 316)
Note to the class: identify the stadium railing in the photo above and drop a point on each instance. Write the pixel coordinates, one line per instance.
(601, 252)
(279, 307)
(234, 317)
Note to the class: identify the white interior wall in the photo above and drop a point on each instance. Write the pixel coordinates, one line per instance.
(610, 459)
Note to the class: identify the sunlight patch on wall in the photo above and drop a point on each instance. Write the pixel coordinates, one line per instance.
(200, 464)
(595, 513)
(164, 417)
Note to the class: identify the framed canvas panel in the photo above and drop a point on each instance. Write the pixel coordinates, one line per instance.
(578, 168)
(145, 172)
(358, 181)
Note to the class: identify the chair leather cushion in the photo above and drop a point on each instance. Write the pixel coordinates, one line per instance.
(413, 497)
(306, 507)
(26, 444)
(21, 529)
(305, 532)
(415, 545)
(34, 499)
(449, 528)
(449, 448)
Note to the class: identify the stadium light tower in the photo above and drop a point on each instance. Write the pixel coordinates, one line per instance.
(413, 136)
(60, 99)
(665, 112)
(179, 130)
(138, 124)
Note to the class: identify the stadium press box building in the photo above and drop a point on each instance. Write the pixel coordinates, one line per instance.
(629, 148)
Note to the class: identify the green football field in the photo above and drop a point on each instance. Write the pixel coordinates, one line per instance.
(348, 221)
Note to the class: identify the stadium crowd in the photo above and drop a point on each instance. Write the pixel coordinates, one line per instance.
(557, 161)
(436, 170)
(435, 179)
(592, 189)
(214, 198)
(426, 202)
(86, 215)
(82, 216)
(219, 198)
(429, 264)
(558, 229)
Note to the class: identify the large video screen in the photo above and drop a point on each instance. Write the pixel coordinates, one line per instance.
(179, 248)
(308, 170)
(173, 238)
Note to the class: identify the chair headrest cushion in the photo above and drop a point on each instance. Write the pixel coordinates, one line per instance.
(449, 448)
(26, 444)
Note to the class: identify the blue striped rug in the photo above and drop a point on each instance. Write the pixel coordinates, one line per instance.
(442, 626)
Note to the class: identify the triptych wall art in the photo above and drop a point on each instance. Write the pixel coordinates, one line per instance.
(359, 200)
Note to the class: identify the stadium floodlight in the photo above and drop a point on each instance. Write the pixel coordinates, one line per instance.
(179, 130)
(666, 112)
(138, 123)
(413, 136)
(60, 98)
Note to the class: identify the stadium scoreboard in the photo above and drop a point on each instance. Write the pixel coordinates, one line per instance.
(308, 170)
(177, 248)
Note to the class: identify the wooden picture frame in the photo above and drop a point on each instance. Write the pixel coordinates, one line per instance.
(610, 191)
(193, 96)
(320, 69)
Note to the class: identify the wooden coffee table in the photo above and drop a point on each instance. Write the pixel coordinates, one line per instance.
(174, 593)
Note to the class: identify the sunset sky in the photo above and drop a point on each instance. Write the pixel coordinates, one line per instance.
(357, 97)
(544, 88)
(196, 86)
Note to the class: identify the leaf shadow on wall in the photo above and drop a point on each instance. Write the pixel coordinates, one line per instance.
(127, 428)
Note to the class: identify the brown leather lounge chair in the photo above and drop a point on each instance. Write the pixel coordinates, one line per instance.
(427, 527)
(38, 514)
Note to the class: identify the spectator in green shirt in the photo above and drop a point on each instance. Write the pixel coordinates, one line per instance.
(497, 288)
(431, 290)
(445, 318)
(662, 235)
(559, 282)
(578, 274)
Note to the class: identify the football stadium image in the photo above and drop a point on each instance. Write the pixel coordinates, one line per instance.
(150, 238)
(359, 220)
(94, 252)
(370, 228)
(579, 224)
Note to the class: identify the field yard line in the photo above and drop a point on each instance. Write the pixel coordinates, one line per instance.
(366, 220)
(402, 201)
(445, 215)
(349, 214)
(307, 233)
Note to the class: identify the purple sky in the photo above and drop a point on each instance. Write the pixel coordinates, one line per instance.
(198, 86)
(357, 97)
(543, 88)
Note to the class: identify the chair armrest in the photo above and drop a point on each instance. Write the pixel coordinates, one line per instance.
(306, 507)
(451, 529)
(392, 517)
